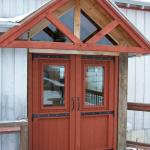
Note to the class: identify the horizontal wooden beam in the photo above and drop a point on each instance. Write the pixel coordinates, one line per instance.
(70, 46)
(63, 28)
(74, 52)
(139, 107)
(105, 30)
(138, 145)
(13, 123)
(7, 130)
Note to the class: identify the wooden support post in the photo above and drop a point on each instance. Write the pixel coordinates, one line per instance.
(122, 104)
(24, 137)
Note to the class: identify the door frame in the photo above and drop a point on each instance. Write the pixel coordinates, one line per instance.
(30, 97)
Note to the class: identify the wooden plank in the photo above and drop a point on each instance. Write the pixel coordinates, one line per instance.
(69, 46)
(59, 12)
(138, 145)
(13, 123)
(139, 107)
(38, 27)
(116, 101)
(30, 100)
(24, 137)
(8, 130)
(105, 30)
(77, 18)
(76, 52)
(63, 28)
(122, 104)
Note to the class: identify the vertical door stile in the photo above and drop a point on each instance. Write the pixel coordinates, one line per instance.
(116, 74)
(78, 100)
(30, 97)
(34, 102)
(72, 103)
(111, 102)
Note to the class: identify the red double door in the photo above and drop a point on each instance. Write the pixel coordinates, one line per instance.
(73, 103)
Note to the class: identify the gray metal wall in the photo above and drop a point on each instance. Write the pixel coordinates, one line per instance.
(13, 74)
(13, 91)
(139, 81)
(12, 8)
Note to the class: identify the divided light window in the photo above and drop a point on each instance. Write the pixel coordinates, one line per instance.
(89, 28)
(46, 31)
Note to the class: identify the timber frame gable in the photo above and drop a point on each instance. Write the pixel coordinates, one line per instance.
(102, 12)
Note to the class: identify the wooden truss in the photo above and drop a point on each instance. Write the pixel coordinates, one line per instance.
(117, 27)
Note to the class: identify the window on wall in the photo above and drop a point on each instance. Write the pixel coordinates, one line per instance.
(89, 28)
(48, 32)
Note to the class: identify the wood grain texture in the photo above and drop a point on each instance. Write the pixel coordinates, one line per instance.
(122, 103)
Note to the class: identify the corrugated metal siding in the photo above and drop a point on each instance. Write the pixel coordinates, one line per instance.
(13, 91)
(12, 8)
(13, 77)
(13, 73)
(139, 81)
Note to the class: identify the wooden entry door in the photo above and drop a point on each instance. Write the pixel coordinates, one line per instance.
(72, 103)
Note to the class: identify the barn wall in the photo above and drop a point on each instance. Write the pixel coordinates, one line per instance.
(139, 81)
(13, 91)
(12, 8)
(13, 74)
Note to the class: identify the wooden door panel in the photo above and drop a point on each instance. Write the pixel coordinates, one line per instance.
(52, 134)
(84, 120)
(94, 132)
(97, 103)
(53, 126)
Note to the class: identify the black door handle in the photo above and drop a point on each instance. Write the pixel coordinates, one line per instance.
(72, 103)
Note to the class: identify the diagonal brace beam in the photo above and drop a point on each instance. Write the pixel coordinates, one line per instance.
(107, 29)
(62, 28)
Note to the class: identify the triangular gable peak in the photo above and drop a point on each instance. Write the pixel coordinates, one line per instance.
(76, 25)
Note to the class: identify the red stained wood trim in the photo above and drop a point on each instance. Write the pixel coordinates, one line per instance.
(57, 4)
(124, 23)
(68, 46)
(139, 107)
(13, 34)
(63, 28)
(108, 28)
(138, 145)
(34, 18)
(9, 129)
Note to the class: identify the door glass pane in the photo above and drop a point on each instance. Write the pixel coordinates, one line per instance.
(53, 83)
(94, 85)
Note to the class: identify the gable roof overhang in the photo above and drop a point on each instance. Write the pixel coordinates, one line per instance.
(9, 38)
